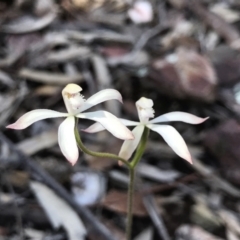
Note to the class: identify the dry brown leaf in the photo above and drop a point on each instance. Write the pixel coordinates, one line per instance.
(104, 163)
(196, 73)
(18, 179)
(185, 74)
(87, 5)
(117, 201)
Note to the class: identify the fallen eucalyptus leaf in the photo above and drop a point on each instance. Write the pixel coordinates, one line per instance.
(29, 24)
(34, 144)
(154, 173)
(48, 77)
(59, 212)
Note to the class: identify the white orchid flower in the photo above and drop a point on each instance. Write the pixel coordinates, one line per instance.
(76, 104)
(169, 133)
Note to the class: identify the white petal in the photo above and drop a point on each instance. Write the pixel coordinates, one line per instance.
(109, 122)
(179, 116)
(67, 141)
(33, 116)
(129, 146)
(101, 96)
(97, 127)
(128, 122)
(173, 139)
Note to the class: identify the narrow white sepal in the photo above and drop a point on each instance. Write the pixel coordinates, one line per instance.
(67, 141)
(173, 139)
(179, 116)
(33, 116)
(94, 128)
(129, 146)
(128, 122)
(109, 122)
(101, 96)
(97, 127)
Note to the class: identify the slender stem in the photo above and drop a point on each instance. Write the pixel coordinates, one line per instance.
(130, 202)
(97, 154)
(133, 164)
(141, 148)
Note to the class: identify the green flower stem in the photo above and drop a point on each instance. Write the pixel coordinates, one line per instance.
(131, 166)
(130, 203)
(138, 154)
(96, 154)
(141, 148)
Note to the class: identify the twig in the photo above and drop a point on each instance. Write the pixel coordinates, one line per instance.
(215, 180)
(151, 207)
(146, 36)
(167, 186)
(92, 224)
(152, 32)
(140, 44)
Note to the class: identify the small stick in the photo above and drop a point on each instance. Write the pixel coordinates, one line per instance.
(151, 207)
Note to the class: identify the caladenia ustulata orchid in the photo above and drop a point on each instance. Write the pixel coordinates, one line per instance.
(76, 104)
(169, 133)
(69, 137)
(141, 131)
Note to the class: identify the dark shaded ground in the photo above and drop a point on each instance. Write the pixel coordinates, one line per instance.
(185, 57)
